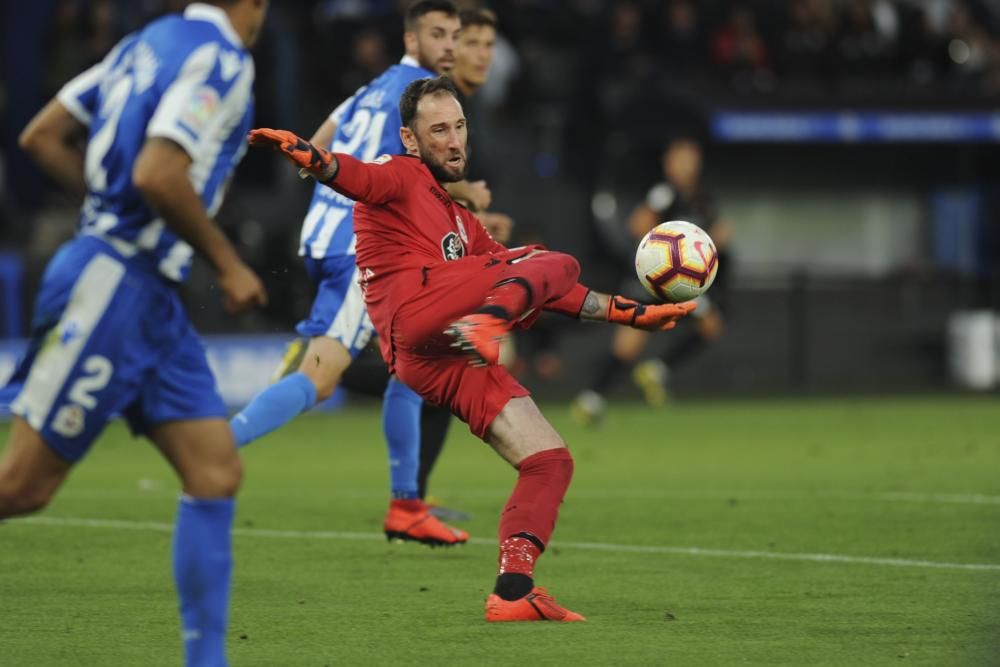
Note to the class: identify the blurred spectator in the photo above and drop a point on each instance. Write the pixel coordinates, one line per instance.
(369, 57)
(972, 51)
(737, 46)
(681, 40)
(680, 194)
(806, 40)
(866, 37)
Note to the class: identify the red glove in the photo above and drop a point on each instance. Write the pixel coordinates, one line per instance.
(312, 161)
(659, 317)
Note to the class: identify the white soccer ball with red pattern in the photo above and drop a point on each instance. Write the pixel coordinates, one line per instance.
(676, 261)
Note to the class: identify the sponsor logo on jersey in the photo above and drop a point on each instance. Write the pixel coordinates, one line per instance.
(200, 109)
(452, 247)
(382, 159)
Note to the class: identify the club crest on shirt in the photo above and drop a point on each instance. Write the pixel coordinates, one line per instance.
(452, 247)
(69, 421)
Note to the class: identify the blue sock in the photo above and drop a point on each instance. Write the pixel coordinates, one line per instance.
(203, 564)
(277, 405)
(401, 425)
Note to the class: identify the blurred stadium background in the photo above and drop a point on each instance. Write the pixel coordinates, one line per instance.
(852, 145)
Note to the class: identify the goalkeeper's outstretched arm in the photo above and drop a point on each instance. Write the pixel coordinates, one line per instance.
(584, 303)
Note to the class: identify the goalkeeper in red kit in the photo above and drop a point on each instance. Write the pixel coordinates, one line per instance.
(441, 294)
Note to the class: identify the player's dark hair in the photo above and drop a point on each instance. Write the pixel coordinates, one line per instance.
(420, 89)
(416, 11)
(477, 17)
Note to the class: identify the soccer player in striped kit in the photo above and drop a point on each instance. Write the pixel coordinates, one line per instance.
(165, 116)
(338, 328)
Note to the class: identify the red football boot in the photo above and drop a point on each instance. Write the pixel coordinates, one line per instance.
(478, 336)
(537, 605)
(411, 520)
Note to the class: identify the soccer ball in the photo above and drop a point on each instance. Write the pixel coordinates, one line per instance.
(676, 261)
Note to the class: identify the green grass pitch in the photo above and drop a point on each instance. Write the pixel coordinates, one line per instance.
(797, 532)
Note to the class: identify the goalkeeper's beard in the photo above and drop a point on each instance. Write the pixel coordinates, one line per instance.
(441, 171)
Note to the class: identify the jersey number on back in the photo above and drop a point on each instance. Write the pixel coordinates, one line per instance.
(364, 133)
(97, 149)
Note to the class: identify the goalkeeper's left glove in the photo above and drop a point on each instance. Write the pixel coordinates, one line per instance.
(658, 317)
(311, 160)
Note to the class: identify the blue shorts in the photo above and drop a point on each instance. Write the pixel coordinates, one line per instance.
(338, 311)
(108, 338)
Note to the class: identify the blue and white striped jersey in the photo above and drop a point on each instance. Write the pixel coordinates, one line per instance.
(185, 78)
(368, 125)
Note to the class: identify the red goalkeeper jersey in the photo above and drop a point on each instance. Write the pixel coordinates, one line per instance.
(404, 221)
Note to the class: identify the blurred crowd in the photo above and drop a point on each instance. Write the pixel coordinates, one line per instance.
(583, 91)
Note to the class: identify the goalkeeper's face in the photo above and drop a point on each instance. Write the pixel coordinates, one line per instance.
(439, 137)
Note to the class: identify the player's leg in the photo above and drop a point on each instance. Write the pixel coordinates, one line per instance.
(30, 472)
(626, 345)
(525, 439)
(705, 327)
(180, 410)
(368, 374)
(338, 328)
(409, 518)
(204, 455)
(434, 423)
(71, 378)
(521, 285)
(322, 363)
(498, 410)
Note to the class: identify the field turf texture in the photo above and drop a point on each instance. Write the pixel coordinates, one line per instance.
(788, 532)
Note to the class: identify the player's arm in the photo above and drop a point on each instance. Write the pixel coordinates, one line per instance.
(585, 304)
(55, 137)
(161, 175)
(54, 140)
(368, 182)
(323, 136)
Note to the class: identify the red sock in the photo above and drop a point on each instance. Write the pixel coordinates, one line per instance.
(532, 283)
(532, 508)
(518, 556)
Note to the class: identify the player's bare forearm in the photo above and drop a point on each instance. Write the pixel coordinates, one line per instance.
(161, 174)
(595, 307)
(323, 136)
(586, 304)
(52, 140)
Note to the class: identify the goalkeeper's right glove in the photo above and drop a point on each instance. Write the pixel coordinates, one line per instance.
(658, 317)
(311, 160)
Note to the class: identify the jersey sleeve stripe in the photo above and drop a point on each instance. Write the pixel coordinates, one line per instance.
(82, 86)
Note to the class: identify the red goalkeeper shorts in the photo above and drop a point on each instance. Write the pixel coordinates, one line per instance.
(422, 355)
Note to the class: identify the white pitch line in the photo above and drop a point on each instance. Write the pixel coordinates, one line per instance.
(147, 489)
(115, 524)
